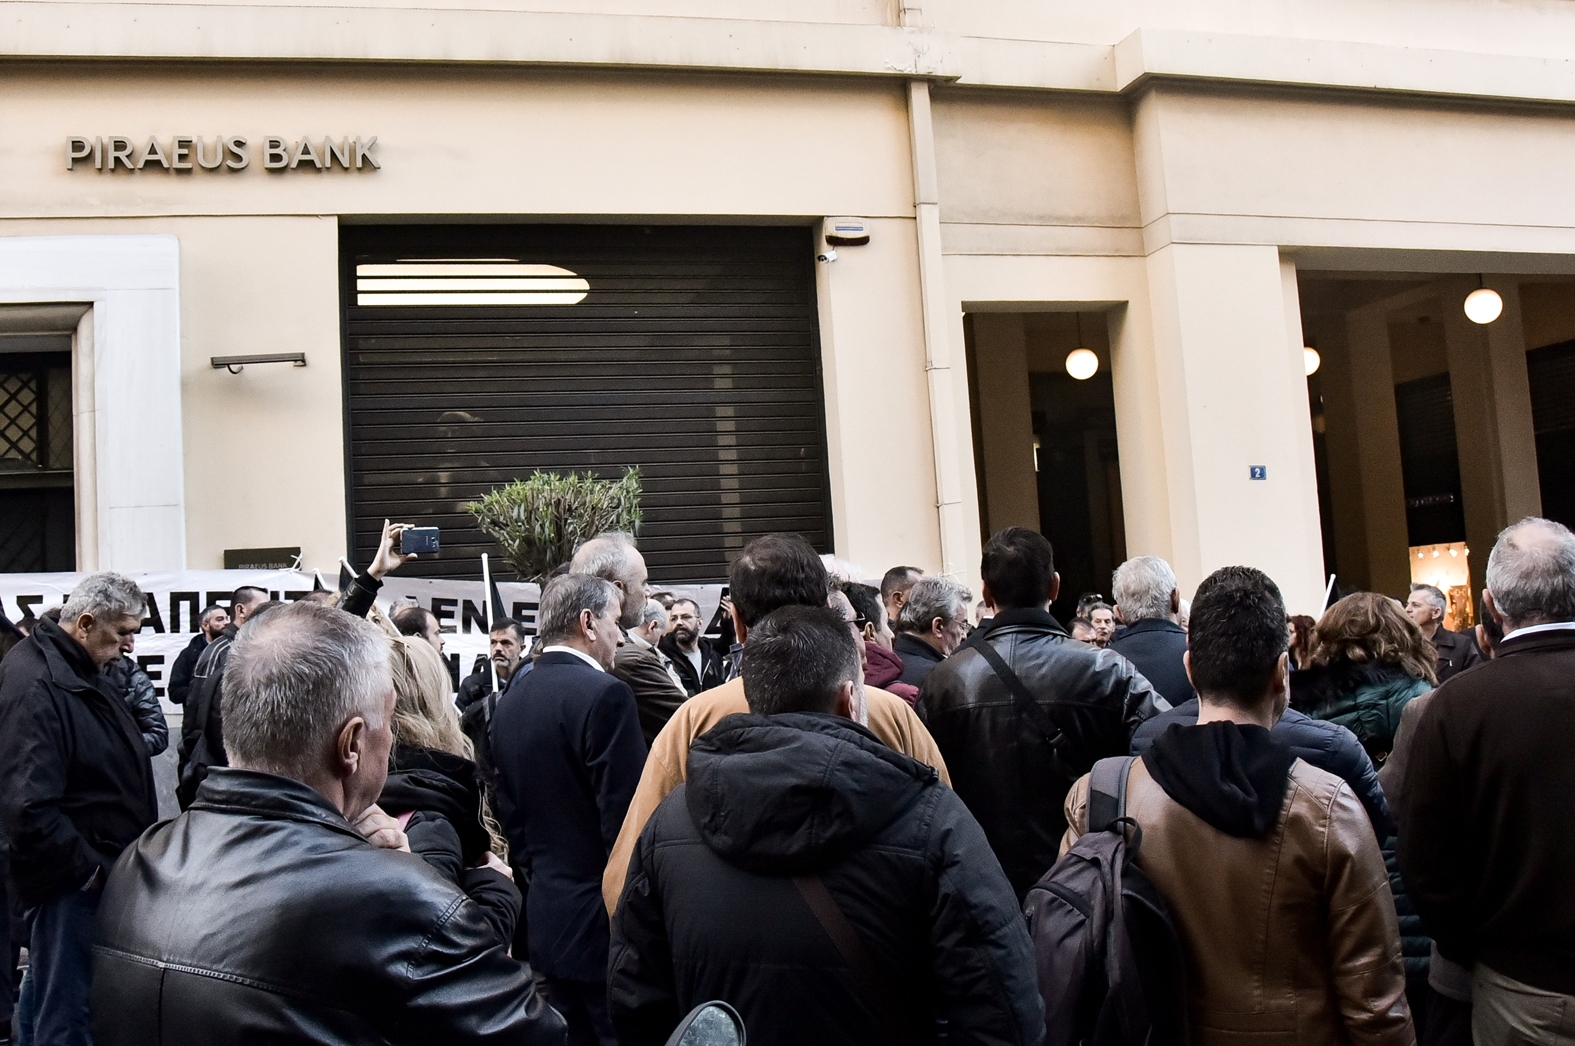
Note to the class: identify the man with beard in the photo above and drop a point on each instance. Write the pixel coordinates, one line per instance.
(698, 662)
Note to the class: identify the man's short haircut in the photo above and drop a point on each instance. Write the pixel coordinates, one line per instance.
(1018, 566)
(247, 596)
(208, 611)
(866, 603)
(1142, 587)
(898, 579)
(563, 599)
(1094, 608)
(1434, 596)
(295, 675)
(1237, 636)
(774, 571)
(685, 599)
(108, 596)
(667, 599)
(796, 660)
(654, 611)
(412, 621)
(1531, 573)
(933, 597)
(605, 556)
(509, 624)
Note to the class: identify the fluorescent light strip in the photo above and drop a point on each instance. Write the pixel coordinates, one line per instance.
(475, 298)
(445, 269)
(518, 284)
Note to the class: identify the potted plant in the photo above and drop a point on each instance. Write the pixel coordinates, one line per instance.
(538, 522)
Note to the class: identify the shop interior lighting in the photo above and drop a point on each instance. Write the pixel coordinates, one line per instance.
(1081, 364)
(1311, 359)
(448, 283)
(1483, 305)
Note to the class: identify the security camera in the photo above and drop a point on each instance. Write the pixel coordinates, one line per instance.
(829, 256)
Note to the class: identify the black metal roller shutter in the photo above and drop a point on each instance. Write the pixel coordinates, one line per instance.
(694, 355)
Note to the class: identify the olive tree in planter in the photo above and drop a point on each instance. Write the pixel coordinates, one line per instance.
(539, 521)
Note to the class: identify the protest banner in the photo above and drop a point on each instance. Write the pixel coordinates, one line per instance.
(176, 599)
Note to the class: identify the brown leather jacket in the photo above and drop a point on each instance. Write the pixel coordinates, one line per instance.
(1291, 939)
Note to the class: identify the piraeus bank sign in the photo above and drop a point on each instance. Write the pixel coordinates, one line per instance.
(186, 152)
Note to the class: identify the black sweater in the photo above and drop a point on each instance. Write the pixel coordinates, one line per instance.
(1487, 843)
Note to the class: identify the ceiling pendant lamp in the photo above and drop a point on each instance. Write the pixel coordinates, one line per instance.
(1081, 363)
(1311, 361)
(1483, 305)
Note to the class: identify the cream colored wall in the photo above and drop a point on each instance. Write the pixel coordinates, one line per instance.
(466, 141)
(264, 465)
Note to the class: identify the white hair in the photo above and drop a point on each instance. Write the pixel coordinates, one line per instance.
(1142, 588)
(930, 598)
(295, 675)
(107, 596)
(558, 617)
(654, 611)
(1531, 573)
(1433, 595)
(606, 556)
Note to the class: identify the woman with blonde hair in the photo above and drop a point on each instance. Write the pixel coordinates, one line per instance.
(435, 791)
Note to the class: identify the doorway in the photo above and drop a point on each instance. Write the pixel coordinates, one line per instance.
(37, 480)
(1045, 446)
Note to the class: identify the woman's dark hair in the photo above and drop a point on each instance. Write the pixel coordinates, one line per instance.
(1372, 627)
(1302, 639)
(866, 603)
(796, 660)
(1236, 635)
(773, 571)
(1018, 566)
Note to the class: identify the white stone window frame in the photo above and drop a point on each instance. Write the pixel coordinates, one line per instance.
(126, 386)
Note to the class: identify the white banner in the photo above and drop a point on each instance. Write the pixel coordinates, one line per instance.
(176, 600)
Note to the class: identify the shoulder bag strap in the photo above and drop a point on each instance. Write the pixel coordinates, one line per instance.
(1026, 704)
(872, 984)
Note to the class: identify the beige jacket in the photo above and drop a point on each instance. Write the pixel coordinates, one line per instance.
(891, 719)
(1291, 940)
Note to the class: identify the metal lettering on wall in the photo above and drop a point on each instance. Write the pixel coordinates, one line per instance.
(185, 152)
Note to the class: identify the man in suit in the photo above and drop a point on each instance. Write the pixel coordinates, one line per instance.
(1457, 651)
(697, 661)
(566, 742)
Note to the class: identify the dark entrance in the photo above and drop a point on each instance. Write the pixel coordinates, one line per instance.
(690, 353)
(1551, 372)
(37, 496)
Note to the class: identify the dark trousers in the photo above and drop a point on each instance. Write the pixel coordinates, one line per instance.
(584, 1008)
(53, 1010)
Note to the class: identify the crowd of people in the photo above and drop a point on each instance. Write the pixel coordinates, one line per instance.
(865, 814)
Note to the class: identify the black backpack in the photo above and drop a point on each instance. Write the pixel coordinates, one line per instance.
(1111, 966)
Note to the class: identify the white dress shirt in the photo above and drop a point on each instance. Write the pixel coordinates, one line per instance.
(559, 648)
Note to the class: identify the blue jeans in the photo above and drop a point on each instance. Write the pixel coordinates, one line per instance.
(53, 1009)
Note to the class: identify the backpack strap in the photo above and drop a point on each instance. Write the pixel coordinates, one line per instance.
(872, 983)
(1030, 708)
(1107, 791)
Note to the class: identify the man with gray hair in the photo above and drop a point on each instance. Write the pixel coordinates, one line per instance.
(283, 905)
(567, 744)
(75, 789)
(932, 623)
(1154, 641)
(1486, 842)
(1457, 651)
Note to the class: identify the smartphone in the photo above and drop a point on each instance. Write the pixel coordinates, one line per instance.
(423, 540)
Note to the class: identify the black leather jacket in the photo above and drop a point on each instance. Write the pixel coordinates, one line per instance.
(261, 915)
(1012, 778)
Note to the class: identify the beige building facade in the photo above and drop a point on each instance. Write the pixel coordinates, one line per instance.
(1195, 192)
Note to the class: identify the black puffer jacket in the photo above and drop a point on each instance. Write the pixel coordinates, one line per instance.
(127, 678)
(75, 783)
(1006, 770)
(261, 915)
(710, 911)
(202, 725)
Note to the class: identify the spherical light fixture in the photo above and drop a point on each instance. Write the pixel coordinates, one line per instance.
(1311, 359)
(1082, 364)
(1483, 305)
